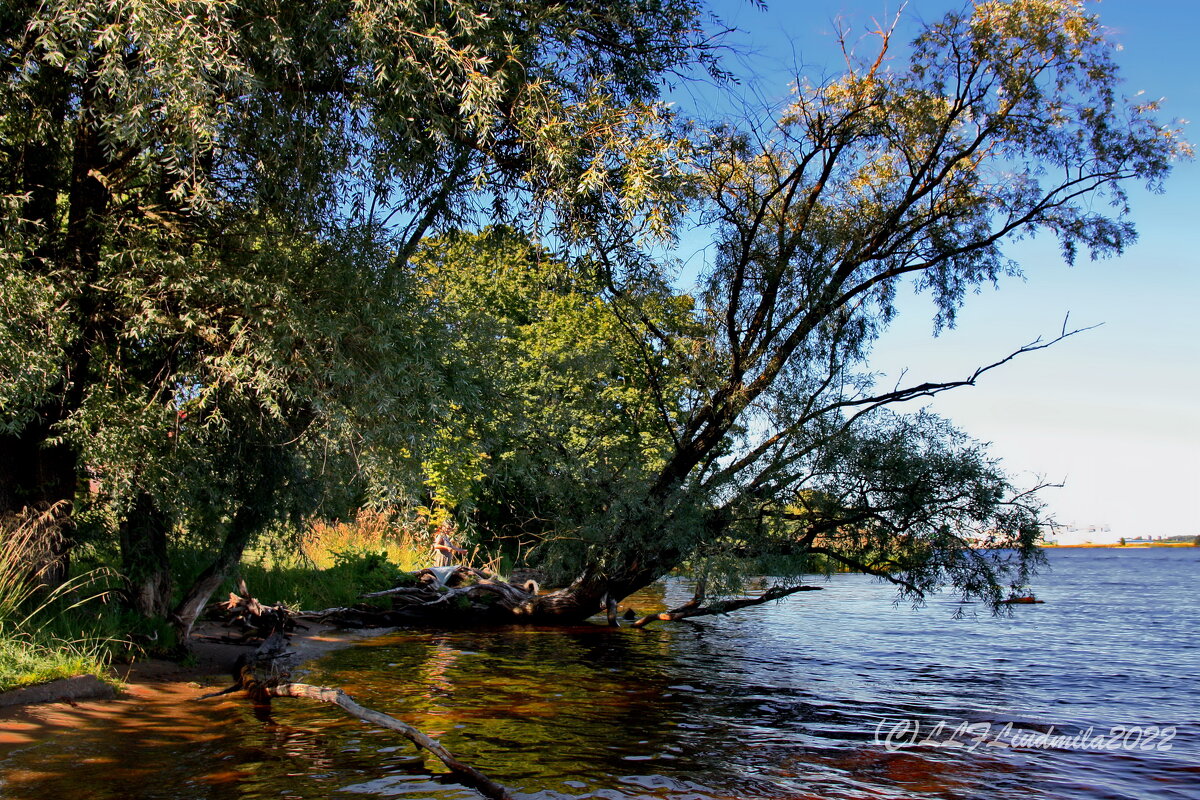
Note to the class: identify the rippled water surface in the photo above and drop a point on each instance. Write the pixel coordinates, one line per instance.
(831, 694)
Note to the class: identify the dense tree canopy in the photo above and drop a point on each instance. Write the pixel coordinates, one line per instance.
(239, 278)
(208, 210)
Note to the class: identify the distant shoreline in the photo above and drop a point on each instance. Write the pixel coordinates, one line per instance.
(1116, 546)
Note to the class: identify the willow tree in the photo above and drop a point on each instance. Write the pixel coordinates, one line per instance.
(207, 214)
(560, 419)
(1006, 121)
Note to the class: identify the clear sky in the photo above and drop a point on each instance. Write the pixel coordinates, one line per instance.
(1113, 413)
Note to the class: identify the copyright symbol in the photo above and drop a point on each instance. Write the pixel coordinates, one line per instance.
(896, 735)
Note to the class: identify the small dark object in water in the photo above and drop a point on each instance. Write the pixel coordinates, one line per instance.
(1026, 600)
(629, 615)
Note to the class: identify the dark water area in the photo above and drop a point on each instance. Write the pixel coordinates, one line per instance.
(831, 694)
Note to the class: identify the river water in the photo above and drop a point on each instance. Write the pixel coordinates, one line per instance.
(831, 694)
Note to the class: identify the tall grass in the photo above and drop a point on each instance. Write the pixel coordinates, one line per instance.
(27, 543)
(402, 542)
(331, 563)
(30, 652)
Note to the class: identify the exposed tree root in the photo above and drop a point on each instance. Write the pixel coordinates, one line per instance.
(252, 617)
(695, 607)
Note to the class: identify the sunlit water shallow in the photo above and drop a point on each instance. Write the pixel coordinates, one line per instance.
(831, 694)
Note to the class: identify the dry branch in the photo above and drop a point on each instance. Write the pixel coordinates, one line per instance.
(337, 697)
(254, 618)
(399, 591)
(267, 674)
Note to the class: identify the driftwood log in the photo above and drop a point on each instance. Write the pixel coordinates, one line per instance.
(251, 617)
(466, 773)
(267, 674)
(461, 595)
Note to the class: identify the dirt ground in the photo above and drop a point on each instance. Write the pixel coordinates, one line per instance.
(38, 711)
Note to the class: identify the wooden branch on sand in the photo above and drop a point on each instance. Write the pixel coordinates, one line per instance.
(694, 609)
(267, 674)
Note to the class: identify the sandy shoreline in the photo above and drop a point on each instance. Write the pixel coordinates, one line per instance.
(59, 706)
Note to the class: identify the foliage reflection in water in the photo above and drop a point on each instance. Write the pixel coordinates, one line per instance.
(785, 701)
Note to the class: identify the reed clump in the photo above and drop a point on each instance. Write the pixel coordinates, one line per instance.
(403, 542)
(33, 602)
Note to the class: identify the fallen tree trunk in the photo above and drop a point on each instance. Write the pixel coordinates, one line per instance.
(353, 618)
(475, 597)
(693, 608)
(267, 674)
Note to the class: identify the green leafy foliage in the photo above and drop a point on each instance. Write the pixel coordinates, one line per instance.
(561, 415)
(207, 211)
(238, 282)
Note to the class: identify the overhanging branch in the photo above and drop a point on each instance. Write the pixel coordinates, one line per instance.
(691, 609)
(854, 563)
(865, 405)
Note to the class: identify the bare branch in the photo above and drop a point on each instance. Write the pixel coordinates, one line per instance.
(323, 694)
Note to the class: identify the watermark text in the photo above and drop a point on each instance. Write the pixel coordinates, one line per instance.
(900, 734)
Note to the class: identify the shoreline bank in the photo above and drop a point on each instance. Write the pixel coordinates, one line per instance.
(1117, 545)
(50, 707)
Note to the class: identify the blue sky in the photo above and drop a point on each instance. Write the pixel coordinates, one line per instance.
(1114, 412)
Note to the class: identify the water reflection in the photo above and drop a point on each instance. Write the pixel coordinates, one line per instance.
(543, 706)
(783, 701)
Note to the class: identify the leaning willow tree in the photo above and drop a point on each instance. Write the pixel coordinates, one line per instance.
(207, 211)
(752, 427)
(212, 214)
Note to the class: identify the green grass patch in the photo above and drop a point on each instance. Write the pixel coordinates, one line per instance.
(303, 586)
(330, 564)
(32, 617)
(25, 661)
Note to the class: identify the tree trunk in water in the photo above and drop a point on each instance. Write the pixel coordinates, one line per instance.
(144, 558)
(594, 592)
(582, 599)
(590, 594)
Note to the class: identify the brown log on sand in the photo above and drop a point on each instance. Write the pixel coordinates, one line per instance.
(267, 674)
